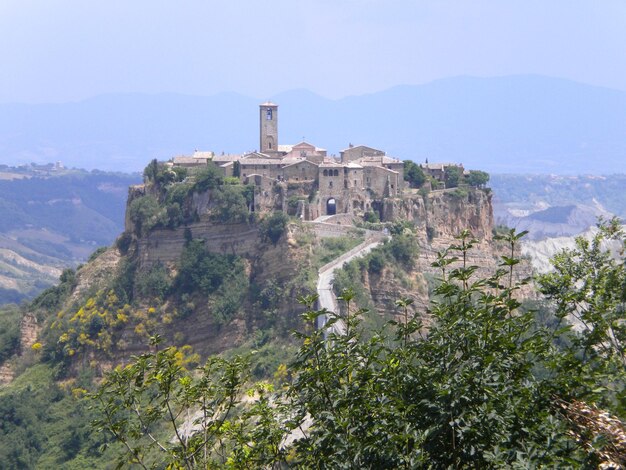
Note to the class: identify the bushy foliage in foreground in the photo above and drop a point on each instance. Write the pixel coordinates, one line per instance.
(485, 387)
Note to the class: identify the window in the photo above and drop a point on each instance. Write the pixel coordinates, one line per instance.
(268, 114)
(330, 184)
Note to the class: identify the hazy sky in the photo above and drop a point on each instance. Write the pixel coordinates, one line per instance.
(59, 50)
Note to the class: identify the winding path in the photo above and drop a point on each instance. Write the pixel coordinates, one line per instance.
(326, 297)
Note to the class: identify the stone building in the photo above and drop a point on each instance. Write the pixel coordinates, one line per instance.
(437, 171)
(348, 185)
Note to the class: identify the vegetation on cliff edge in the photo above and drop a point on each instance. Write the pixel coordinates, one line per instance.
(489, 386)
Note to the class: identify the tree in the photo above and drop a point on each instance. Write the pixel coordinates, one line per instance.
(231, 204)
(477, 178)
(209, 177)
(414, 174)
(144, 212)
(463, 396)
(453, 176)
(273, 226)
(151, 171)
(201, 415)
(588, 290)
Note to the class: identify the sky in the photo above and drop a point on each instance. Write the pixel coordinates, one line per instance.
(68, 50)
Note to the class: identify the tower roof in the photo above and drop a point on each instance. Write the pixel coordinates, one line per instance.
(269, 103)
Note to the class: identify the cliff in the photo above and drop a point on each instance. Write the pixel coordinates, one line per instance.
(442, 214)
(202, 271)
(438, 217)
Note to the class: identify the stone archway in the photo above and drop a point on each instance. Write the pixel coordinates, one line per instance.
(331, 206)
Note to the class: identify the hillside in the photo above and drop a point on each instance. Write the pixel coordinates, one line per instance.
(54, 219)
(215, 268)
(515, 124)
(197, 266)
(554, 206)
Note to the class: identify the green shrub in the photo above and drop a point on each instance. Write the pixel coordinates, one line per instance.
(231, 180)
(155, 283)
(143, 212)
(273, 227)
(376, 262)
(460, 193)
(9, 332)
(52, 298)
(413, 174)
(123, 242)
(231, 204)
(209, 177)
(404, 249)
(203, 271)
(178, 193)
(477, 178)
(371, 217)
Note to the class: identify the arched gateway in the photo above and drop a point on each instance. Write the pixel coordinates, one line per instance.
(331, 206)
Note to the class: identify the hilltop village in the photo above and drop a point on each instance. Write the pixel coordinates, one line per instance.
(350, 184)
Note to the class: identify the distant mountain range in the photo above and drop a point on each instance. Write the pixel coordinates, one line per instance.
(515, 124)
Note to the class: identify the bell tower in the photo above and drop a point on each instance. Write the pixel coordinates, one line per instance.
(268, 120)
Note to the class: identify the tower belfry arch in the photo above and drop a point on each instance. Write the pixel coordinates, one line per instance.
(268, 132)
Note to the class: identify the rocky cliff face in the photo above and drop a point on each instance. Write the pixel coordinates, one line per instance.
(444, 214)
(279, 271)
(438, 216)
